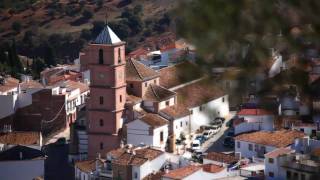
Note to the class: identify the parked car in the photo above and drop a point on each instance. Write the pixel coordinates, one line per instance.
(196, 145)
(201, 138)
(207, 134)
(198, 154)
(217, 122)
(228, 142)
(215, 129)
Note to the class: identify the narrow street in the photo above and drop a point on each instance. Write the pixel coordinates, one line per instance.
(216, 142)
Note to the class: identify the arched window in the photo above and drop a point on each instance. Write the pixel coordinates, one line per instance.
(119, 55)
(101, 145)
(101, 122)
(100, 56)
(101, 100)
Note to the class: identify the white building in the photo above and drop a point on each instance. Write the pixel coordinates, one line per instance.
(273, 161)
(256, 144)
(150, 129)
(135, 163)
(21, 162)
(14, 95)
(254, 120)
(88, 169)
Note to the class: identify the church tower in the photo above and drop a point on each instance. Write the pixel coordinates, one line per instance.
(105, 58)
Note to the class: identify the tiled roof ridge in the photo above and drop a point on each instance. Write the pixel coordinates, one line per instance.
(134, 65)
(154, 92)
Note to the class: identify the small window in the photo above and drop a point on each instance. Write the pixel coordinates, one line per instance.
(238, 144)
(100, 56)
(145, 84)
(120, 98)
(181, 124)
(101, 145)
(101, 100)
(271, 160)
(119, 55)
(186, 123)
(200, 108)
(131, 85)
(161, 136)
(271, 174)
(135, 175)
(250, 147)
(256, 147)
(288, 174)
(155, 81)
(176, 127)
(301, 129)
(191, 111)
(223, 99)
(167, 103)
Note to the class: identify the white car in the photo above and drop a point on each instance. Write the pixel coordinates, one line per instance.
(196, 145)
(215, 129)
(207, 133)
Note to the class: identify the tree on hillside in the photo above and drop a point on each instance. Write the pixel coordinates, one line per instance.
(87, 14)
(227, 29)
(50, 56)
(16, 26)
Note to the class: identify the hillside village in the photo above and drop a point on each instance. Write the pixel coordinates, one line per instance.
(157, 113)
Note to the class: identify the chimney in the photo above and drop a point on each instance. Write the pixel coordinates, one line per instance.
(121, 144)
(20, 155)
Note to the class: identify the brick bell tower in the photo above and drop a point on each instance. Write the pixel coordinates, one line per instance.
(106, 61)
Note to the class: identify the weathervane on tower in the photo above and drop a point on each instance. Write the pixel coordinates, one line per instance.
(106, 17)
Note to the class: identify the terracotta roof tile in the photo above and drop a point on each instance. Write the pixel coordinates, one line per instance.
(281, 138)
(31, 84)
(198, 93)
(138, 158)
(154, 120)
(254, 112)
(77, 85)
(136, 71)
(175, 111)
(182, 172)
(212, 168)
(179, 74)
(278, 152)
(20, 138)
(157, 93)
(221, 157)
(88, 165)
(9, 83)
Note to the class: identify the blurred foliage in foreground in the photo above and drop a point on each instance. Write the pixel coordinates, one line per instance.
(243, 31)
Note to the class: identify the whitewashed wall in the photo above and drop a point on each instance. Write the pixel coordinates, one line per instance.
(163, 105)
(17, 170)
(8, 105)
(181, 125)
(138, 132)
(156, 136)
(149, 167)
(244, 149)
(210, 111)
